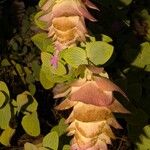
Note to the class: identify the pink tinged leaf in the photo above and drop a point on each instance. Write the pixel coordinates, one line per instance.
(66, 104)
(63, 94)
(90, 94)
(90, 5)
(46, 17)
(117, 107)
(84, 12)
(106, 85)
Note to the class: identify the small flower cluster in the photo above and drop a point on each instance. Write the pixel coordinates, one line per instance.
(65, 22)
(93, 103)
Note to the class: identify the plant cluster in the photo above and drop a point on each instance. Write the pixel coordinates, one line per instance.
(75, 56)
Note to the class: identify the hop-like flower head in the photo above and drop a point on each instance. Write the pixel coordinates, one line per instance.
(65, 22)
(93, 103)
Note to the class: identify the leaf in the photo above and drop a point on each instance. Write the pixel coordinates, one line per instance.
(143, 57)
(42, 2)
(5, 116)
(51, 140)
(47, 84)
(36, 69)
(38, 22)
(29, 146)
(66, 147)
(106, 38)
(42, 41)
(75, 56)
(5, 62)
(126, 2)
(99, 52)
(31, 124)
(26, 102)
(60, 128)
(46, 60)
(6, 136)
(32, 88)
(3, 87)
(144, 143)
(2, 99)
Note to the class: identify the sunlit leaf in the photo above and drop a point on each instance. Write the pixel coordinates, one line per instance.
(2, 98)
(46, 60)
(60, 128)
(106, 38)
(51, 140)
(31, 124)
(42, 41)
(3, 87)
(5, 116)
(75, 56)
(29, 146)
(6, 136)
(143, 56)
(99, 52)
(144, 139)
(26, 101)
(46, 83)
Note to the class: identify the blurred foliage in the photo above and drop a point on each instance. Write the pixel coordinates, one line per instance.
(127, 26)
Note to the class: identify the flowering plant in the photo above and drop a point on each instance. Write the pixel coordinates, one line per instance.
(69, 65)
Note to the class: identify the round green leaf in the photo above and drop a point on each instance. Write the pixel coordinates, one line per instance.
(5, 116)
(60, 128)
(6, 136)
(26, 101)
(32, 88)
(46, 60)
(75, 56)
(99, 52)
(46, 83)
(3, 87)
(31, 124)
(2, 98)
(29, 146)
(143, 57)
(42, 41)
(51, 140)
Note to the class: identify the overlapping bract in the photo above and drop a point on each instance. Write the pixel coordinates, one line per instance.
(65, 22)
(93, 103)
